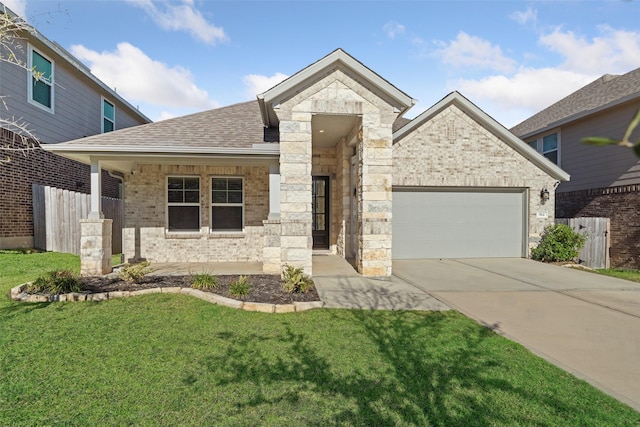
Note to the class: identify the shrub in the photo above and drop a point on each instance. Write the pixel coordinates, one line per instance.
(204, 281)
(559, 243)
(240, 287)
(295, 281)
(135, 272)
(55, 282)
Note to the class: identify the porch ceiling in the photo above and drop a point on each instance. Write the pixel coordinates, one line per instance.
(328, 129)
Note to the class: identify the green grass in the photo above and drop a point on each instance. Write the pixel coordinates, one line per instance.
(168, 359)
(633, 275)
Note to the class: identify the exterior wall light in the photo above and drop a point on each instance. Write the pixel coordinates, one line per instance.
(544, 195)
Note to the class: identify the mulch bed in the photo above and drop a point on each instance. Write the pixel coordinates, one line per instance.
(266, 288)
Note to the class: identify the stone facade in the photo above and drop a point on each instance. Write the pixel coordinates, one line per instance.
(620, 204)
(145, 232)
(453, 150)
(337, 93)
(95, 246)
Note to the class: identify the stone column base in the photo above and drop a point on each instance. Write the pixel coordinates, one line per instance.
(271, 250)
(95, 246)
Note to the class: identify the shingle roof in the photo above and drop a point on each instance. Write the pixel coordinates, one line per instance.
(603, 91)
(238, 126)
(234, 126)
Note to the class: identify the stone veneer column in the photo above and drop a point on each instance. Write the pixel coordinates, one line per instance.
(95, 246)
(95, 231)
(374, 196)
(295, 191)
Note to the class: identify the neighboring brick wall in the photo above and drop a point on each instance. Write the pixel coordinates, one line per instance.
(37, 167)
(453, 150)
(145, 204)
(621, 205)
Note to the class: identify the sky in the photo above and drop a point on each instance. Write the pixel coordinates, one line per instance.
(511, 58)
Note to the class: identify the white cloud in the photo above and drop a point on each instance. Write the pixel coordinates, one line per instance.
(140, 79)
(471, 51)
(393, 29)
(182, 16)
(531, 89)
(19, 7)
(614, 51)
(525, 17)
(256, 83)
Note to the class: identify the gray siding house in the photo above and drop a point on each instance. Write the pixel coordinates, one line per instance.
(605, 181)
(322, 162)
(68, 102)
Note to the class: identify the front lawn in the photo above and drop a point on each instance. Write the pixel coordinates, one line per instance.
(167, 359)
(633, 275)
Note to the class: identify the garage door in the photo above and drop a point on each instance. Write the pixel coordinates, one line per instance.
(457, 224)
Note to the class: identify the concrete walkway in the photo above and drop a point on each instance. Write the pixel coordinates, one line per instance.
(585, 323)
(340, 286)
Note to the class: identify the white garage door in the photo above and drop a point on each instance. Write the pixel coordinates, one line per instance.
(457, 224)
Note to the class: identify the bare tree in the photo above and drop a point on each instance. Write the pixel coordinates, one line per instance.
(22, 139)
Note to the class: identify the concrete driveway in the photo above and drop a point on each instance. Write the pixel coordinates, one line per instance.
(585, 323)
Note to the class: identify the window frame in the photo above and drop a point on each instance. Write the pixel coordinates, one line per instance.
(169, 204)
(49, 82)
(557, 149)
(539, 141)
(212, 205)
(104, 117)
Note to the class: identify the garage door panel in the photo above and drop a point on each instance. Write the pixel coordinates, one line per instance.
(457, 224)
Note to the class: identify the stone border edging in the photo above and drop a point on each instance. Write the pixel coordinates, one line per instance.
(18, 294)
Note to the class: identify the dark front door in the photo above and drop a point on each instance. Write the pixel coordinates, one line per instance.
(320, 212)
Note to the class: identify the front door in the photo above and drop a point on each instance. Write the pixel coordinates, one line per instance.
(320, 212)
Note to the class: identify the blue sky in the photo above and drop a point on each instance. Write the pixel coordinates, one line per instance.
(511, 58)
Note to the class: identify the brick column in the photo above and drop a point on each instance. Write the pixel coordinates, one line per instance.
(295, 192)
(95, 246)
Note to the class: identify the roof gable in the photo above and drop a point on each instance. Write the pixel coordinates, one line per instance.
(602, 93)
(338, 59)
(489, 124)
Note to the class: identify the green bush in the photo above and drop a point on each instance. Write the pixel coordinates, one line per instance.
(295, 281)
(55, 282)
(204, 281)
(558, 243)
(135, 272)
(240, 287)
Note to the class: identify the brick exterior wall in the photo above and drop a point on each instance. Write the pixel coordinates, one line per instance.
(145, 205)
(453, 150)
(37, 167)
(621, 205)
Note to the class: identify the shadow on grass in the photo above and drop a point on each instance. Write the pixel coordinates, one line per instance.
(430, 374)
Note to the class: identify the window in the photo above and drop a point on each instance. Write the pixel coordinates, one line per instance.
(549, 146)
(108, 116)
(40, 80)
(183, 200)
(227, 204)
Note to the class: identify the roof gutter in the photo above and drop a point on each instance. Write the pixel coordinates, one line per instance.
(257, 149)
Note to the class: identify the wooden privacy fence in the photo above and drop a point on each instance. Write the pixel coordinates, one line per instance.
(595, 253)
(57, 214)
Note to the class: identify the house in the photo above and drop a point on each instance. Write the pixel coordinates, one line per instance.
(68, 102)
(605, 181)
(322, 162)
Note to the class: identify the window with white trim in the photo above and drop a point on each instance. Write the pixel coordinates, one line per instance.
(227, 204)
(183, 203)
(108, 116)
(41, 78)
(548, 146)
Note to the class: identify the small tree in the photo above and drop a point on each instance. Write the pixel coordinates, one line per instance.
(24, 140)
(558, 243)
